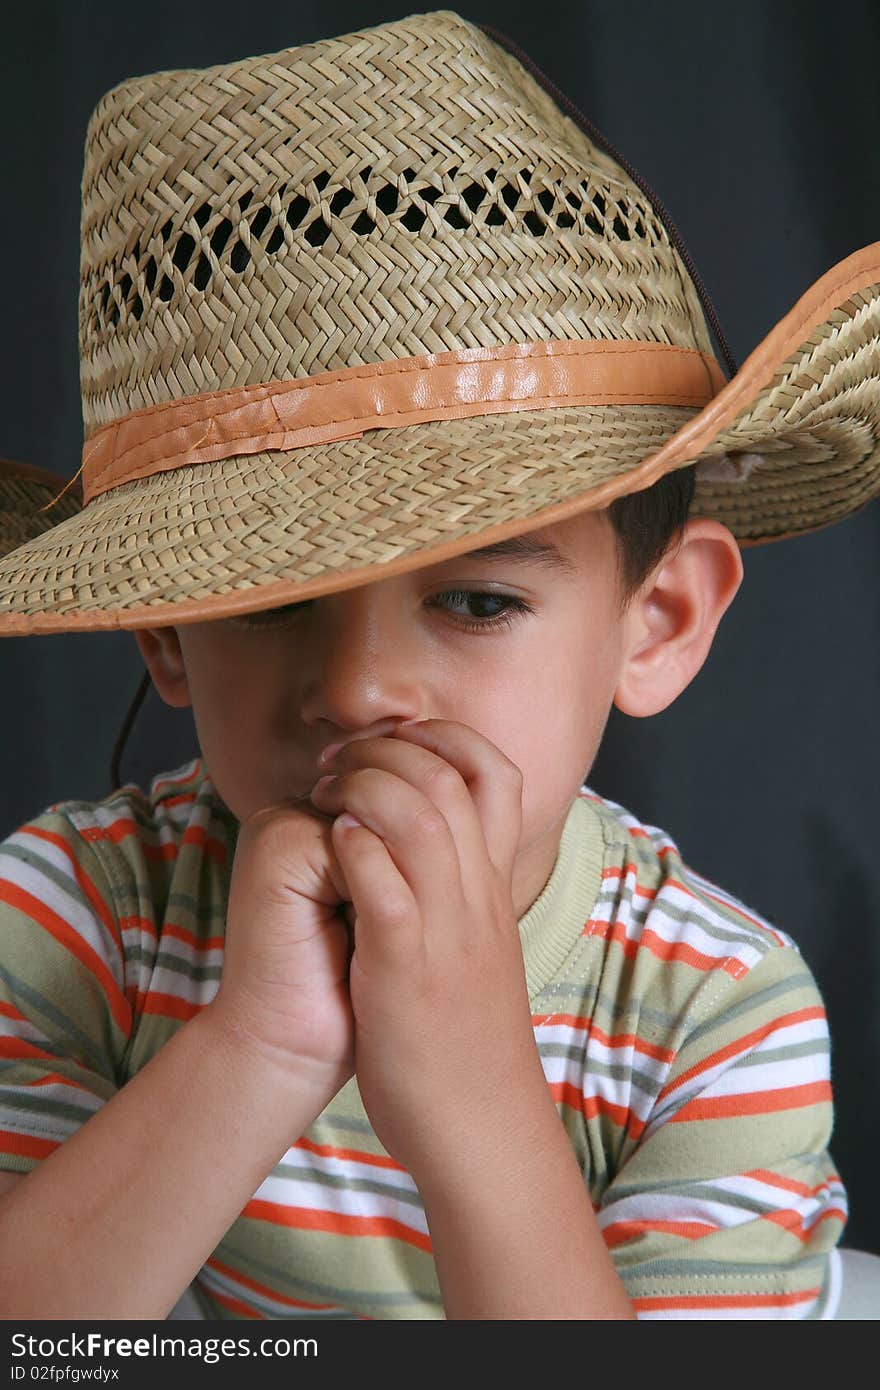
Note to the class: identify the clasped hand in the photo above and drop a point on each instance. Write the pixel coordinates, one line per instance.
(390, 948)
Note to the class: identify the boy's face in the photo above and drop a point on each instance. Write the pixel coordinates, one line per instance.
(268, 696)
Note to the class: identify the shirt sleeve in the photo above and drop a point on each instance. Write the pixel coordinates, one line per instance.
(729, 1205)
(65, 1019)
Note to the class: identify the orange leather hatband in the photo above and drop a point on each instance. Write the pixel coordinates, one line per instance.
(343, 404)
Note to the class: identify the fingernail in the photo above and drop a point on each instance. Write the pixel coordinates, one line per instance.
(322, 782)
(329, 752)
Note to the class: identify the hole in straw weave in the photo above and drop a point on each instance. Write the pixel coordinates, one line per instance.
(491, 197)
(454, 217)
(363, 225)
(473, 195)
(317, 232)
(183, 251)
(297, 210)
(219, 237)
(413, 219)
(386, 199)
(260, 222)
(340, 201)
(240, 257)
(202, 273)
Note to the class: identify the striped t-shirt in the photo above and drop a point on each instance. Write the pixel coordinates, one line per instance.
(682, 1037)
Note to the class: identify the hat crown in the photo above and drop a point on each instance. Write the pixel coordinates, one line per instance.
(401, 190)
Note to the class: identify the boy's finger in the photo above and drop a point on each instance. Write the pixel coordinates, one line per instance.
(373, 877)
(414, 828)
(493, 780)
(480, 835)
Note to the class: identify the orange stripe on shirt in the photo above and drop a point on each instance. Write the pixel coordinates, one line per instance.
(198, 943)
(73, 943)
(792, 1221)
(181, 781)
(802, 1189)
(753, 1103)
(592, 1106)
(664, 950)
(743, 1044)
(585, 1024)
(26, 1144)
(696, 893)
(85, 882)
(11, 1046)
(630, 871)
(196, 835)
(622, 1231)
(353, 1155)
(54, 1077)
(336, 1223)
(168, 1005)
(124, 826)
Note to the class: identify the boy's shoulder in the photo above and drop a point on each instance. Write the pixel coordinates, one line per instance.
(653, 902)
(146, 842)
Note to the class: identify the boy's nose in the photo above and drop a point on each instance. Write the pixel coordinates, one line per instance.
(363, 675)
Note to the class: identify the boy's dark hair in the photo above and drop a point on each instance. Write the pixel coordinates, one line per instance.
(646, 523)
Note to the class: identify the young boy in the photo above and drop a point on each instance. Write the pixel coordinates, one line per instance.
(397, 390)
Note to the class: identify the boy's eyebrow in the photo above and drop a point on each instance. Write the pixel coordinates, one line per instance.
(527, 548)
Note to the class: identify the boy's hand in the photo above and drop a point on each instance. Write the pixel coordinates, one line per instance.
(284, 988)
(437, 981)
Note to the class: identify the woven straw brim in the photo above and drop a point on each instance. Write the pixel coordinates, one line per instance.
(202, 543)
(24, 490)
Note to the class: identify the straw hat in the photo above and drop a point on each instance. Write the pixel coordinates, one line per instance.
(364, 304)
(25, 491)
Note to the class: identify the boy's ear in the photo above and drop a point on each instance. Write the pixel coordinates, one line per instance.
(160, 648)
(671, 622)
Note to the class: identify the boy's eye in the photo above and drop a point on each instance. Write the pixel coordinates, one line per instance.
(511, 607)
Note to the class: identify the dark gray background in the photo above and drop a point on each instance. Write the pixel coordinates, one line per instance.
(756, 124)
